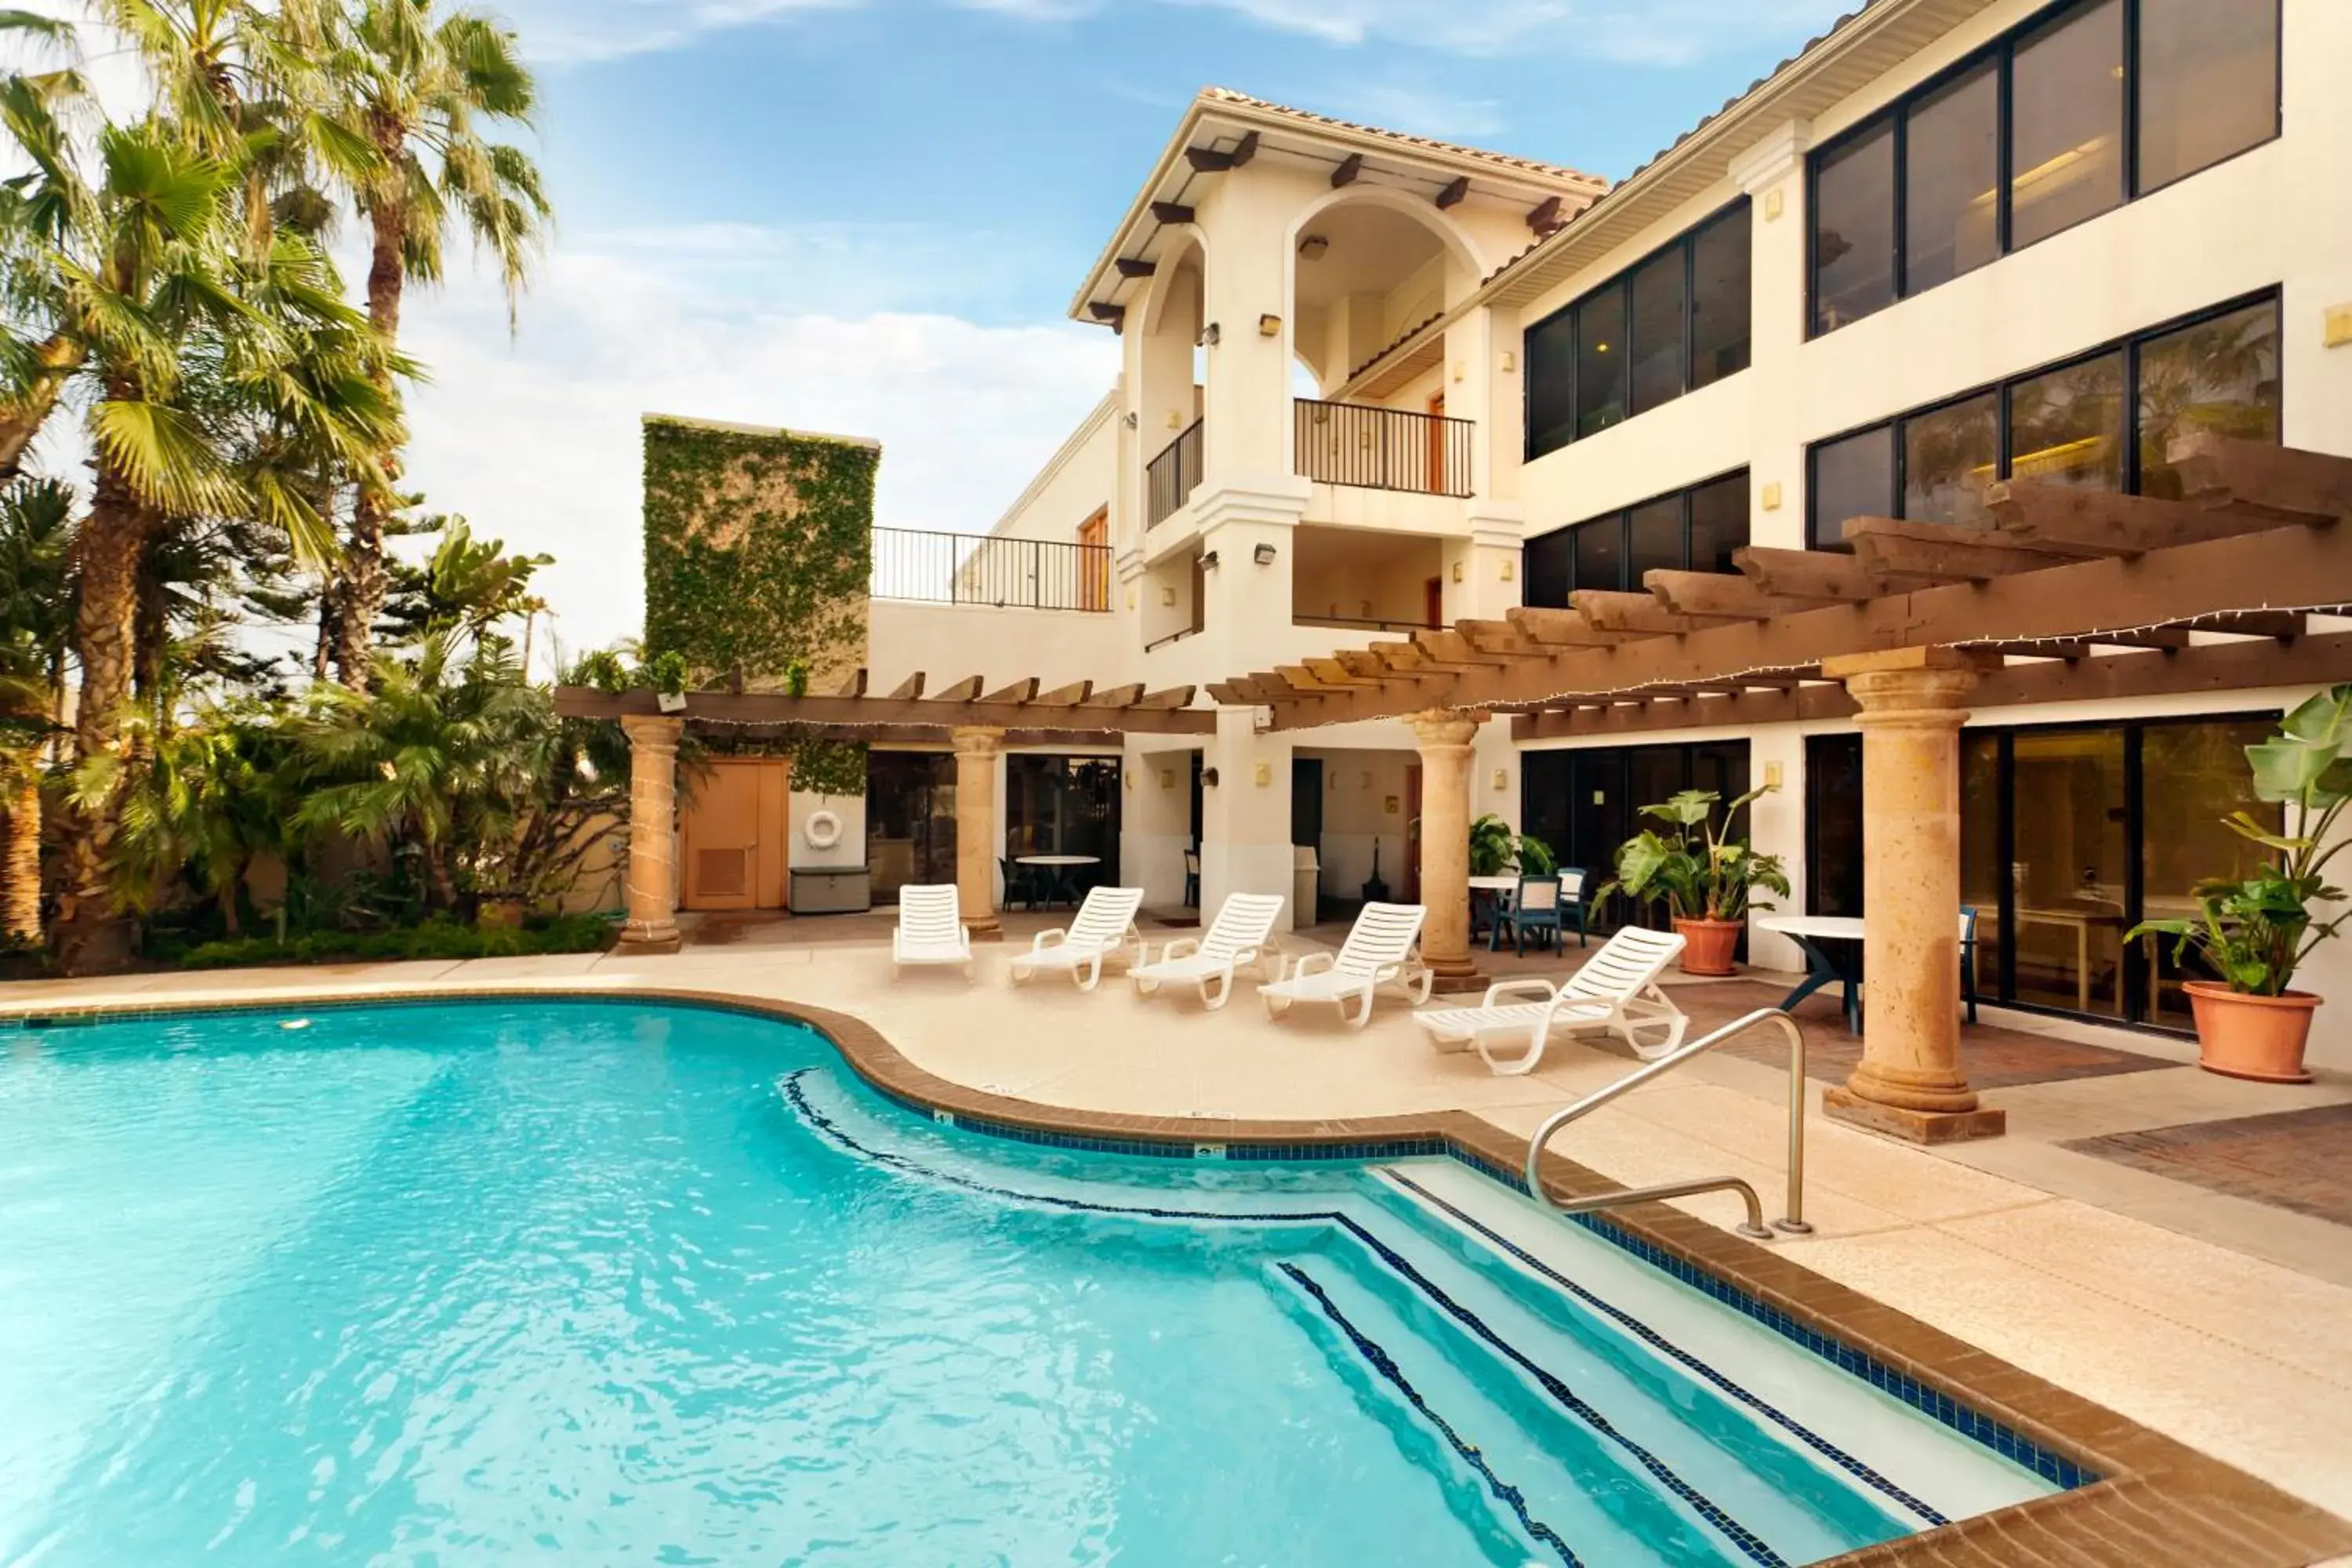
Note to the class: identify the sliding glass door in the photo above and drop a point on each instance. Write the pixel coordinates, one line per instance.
(1584, 804)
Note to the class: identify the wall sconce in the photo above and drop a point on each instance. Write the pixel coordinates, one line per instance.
(1510, 569)
(1460, 370)
(1209, 777)
(1772, 496)
(1175, 420)
(1389, 805)
(1262, 554)
(1130, 598)
(1502, 778)
(1211, 335)
(1167, 598)
(1209, 561)
(1265, 774)
(1168, 778)
(1457, 570)
(1269, 326)
(1510, 362)
(1311, 246)
(1130, 783)
(1132, 420)
(1771, 204)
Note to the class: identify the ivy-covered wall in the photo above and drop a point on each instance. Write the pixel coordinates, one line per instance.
(759, 548)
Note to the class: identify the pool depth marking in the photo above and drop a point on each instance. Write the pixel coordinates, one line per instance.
(1749, 1543)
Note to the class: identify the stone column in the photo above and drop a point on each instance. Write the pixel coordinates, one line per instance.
(1909, 1083)
(652, 925)
(1445, 736)
(977, 749)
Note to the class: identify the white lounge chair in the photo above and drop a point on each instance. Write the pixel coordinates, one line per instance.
(1242, 933)
(1616, 992)
(931, 929)
(1103, 927)
(1382, 950)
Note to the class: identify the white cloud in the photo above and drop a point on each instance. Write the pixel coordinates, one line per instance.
(536, 441)
(1664, 32)
(1415, 110)
(564, 31)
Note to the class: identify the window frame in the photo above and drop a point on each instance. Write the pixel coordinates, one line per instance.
(2129, 346)
(1622, 518)
(1686, 243)
(2002, 51)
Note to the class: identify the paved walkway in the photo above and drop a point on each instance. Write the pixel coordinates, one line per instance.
(2085, 1247)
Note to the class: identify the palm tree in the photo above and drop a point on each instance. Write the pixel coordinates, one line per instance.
(35, 620)
(415, 89)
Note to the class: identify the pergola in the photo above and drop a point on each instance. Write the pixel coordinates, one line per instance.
(2093, 594)
(2097, 595)
(977, 724)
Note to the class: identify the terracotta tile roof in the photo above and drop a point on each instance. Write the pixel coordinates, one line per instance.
(1428, 144)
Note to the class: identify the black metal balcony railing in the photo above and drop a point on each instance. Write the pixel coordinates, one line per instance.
(1171, 478)
(983, 568)
(1382, 449)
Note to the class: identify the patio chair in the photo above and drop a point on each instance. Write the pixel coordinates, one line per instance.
(1191, 879)
(1968, 960)
(1242, 933)
(1103, 928)
(1018, 886)
(1571, 899)
(1614, 991)
(1532, 906)
(931, 929)
(1382, 949)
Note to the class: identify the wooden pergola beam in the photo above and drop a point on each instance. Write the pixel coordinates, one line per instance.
(1561, 629)
(1116, 697)
(1718, 595)
(1166, 697)
(1640, 613)
(1068, 695)
(1818, 574)
(1022, 690)
(852, 687)
(907, 689)
(2100, 522)
(2285, 482)
(964, 691)
(935, 716)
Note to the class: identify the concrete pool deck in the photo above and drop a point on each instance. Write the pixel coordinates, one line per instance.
(2210, 1317)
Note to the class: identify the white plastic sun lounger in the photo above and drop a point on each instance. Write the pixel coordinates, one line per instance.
(1382, 950)
(1242, 933)
(1103, 927)
(1615, 991)
(931, 929)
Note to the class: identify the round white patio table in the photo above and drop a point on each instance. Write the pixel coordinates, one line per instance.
(1832, 948)
(1061, 865)
(1495, 889)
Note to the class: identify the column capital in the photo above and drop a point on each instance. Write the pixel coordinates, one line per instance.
(655, 732)
(1436, 727)
(977, 739)
(1922, 684)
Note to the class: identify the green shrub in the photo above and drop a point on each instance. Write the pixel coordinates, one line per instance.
(434, 939)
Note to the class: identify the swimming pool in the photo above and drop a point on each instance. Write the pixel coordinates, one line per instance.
(619, 1282)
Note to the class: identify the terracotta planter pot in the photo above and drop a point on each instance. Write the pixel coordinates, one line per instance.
(2260, 1037)
(1708, 945)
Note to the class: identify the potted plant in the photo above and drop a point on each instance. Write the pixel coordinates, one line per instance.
(1706, 879)
(1495, 849)
(2255, 930)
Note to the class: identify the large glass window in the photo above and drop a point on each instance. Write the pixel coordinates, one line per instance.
(1600, 360)
(1854, 229)
(1584, 802)
(1676, 319)
(1853, 477)
(1949, 455)
(2033, 136)
(1721, 299)
(1689, 529)
(1552, 383)
(1951, 170)
(2220, 374)
(2066, 122)
(2077, 424)
(2066, 426)
(1064, 805)
(1658, 352)
(2207, 83)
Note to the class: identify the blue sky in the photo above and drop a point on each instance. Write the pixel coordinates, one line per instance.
(869, 217)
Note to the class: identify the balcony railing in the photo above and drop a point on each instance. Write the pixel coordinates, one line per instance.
(1171, 478)
(1382, 449)
(983, 568)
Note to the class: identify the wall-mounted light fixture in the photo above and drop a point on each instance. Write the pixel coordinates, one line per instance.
(1262, 554)
(1209, 777)
(1510, 362)
(1457, 570)
(1509, 566)
(1269, 326)
(1132, 419)
(1209, 561)
(1502, 779)
(1265, 774)
(1311, 246)
(1211, 334)
(1167, 598)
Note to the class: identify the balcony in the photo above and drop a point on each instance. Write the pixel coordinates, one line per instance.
(1171, 478)
(930, 567)
(1376, 448)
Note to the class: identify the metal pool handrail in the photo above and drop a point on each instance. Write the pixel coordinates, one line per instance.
(1794, 1223)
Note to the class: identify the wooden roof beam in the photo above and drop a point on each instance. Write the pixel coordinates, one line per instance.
(2255, 624)
(1718, 595)
(1823, 576)
(907, 689)
(1452, 647)
(2100, 522)
(1068, 695)
(1455, 190)
(1166, 697)
(1135, 267)
(1498, 636)
(2287, 482)
(1640, 614)
(1208, 162)
(1171, 212)
(1116, 697)
(1939, 552)
(854, 686)
(1560, 628)
(964, 691)
(1349, 168)
(1022, 690)
(1331, 672)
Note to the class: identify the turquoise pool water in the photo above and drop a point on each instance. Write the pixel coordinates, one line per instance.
(609, 1283)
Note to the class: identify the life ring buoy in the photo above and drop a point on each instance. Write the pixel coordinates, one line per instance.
(822, 830)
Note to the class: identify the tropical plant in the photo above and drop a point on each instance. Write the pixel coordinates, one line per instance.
(412, 88)
(36, 624)
(1495, 849)
(202, 799)
(2256, 930)
(1699, 870)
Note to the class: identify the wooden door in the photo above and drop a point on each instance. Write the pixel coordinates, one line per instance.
(1094, 560)
(1433, 602)
(1435, 484)
(734, 834)
(1412, 833)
